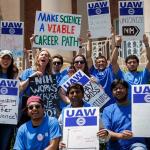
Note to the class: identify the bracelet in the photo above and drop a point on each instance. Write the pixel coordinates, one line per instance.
(117, 46)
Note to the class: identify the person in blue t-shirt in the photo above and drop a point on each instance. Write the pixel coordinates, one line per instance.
(75, 93)
(132, 76)
(57, 63)
(101, 69)
(7, 71)
(117, 119)
(103, 72)
(41, 132)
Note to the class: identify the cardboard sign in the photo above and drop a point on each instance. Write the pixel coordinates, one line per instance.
(141, 110)
(12, 37)
(9, 101)
(93, 93)
(46, 88)
(57, 30)
(77, 121)
(99, 18)
(131, 20)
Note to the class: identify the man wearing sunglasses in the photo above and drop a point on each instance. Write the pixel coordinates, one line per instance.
(41, 132)
(57, 63)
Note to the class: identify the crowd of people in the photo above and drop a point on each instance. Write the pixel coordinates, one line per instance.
(41, 131)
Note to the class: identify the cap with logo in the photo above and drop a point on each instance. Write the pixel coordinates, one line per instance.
(6, 52)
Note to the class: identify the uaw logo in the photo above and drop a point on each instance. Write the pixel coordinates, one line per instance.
(98, 11)
(3, 90)
(81, 121)
(131, 11)
(141, 94)
(147, 98)
(80, 117)
(141, 98)
(11, 30)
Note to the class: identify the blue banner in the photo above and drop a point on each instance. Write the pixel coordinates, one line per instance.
(84, 80)
(141, 98)
(8, 91)
(81, 121)
(98, 11)
(14, 31)
(131, 11)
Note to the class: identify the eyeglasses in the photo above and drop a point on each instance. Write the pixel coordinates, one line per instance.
(81, 62)
(30, 107)
(57, 63)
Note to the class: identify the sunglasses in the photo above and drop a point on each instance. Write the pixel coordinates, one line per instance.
(30, 107)
(81, 62)
(57, 63)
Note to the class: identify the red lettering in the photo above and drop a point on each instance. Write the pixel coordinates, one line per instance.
(49, 27)
(57, 28)
(63, 28)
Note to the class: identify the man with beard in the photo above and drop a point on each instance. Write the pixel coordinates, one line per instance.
(117, 119)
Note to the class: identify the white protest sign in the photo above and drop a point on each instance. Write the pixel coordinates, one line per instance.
(12, 37)
(9, 101)
(131, 20)
(99, 18)
(77, 121)
(141, 110)
(93, 93)
(57, 30)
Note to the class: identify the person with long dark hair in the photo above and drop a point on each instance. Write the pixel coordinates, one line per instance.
(6, 72)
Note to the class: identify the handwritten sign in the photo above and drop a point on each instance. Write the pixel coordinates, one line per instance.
(46, 88)
(9, 101)
(99, 19)
(57, 31)
(12, 37)
(141, 110)
(77, 121)
(131, 20)
(93, 94)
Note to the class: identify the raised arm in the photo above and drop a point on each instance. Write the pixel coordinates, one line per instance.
(89, 50)
(146, 43)
(86, 51)
(115, 54)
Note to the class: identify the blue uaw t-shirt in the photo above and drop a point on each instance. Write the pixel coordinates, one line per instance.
(134, 78)
(117, 118)
(105, 79)
(37, 138)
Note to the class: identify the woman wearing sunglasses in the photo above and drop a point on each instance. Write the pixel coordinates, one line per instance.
(79, 63)
(7, 71)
